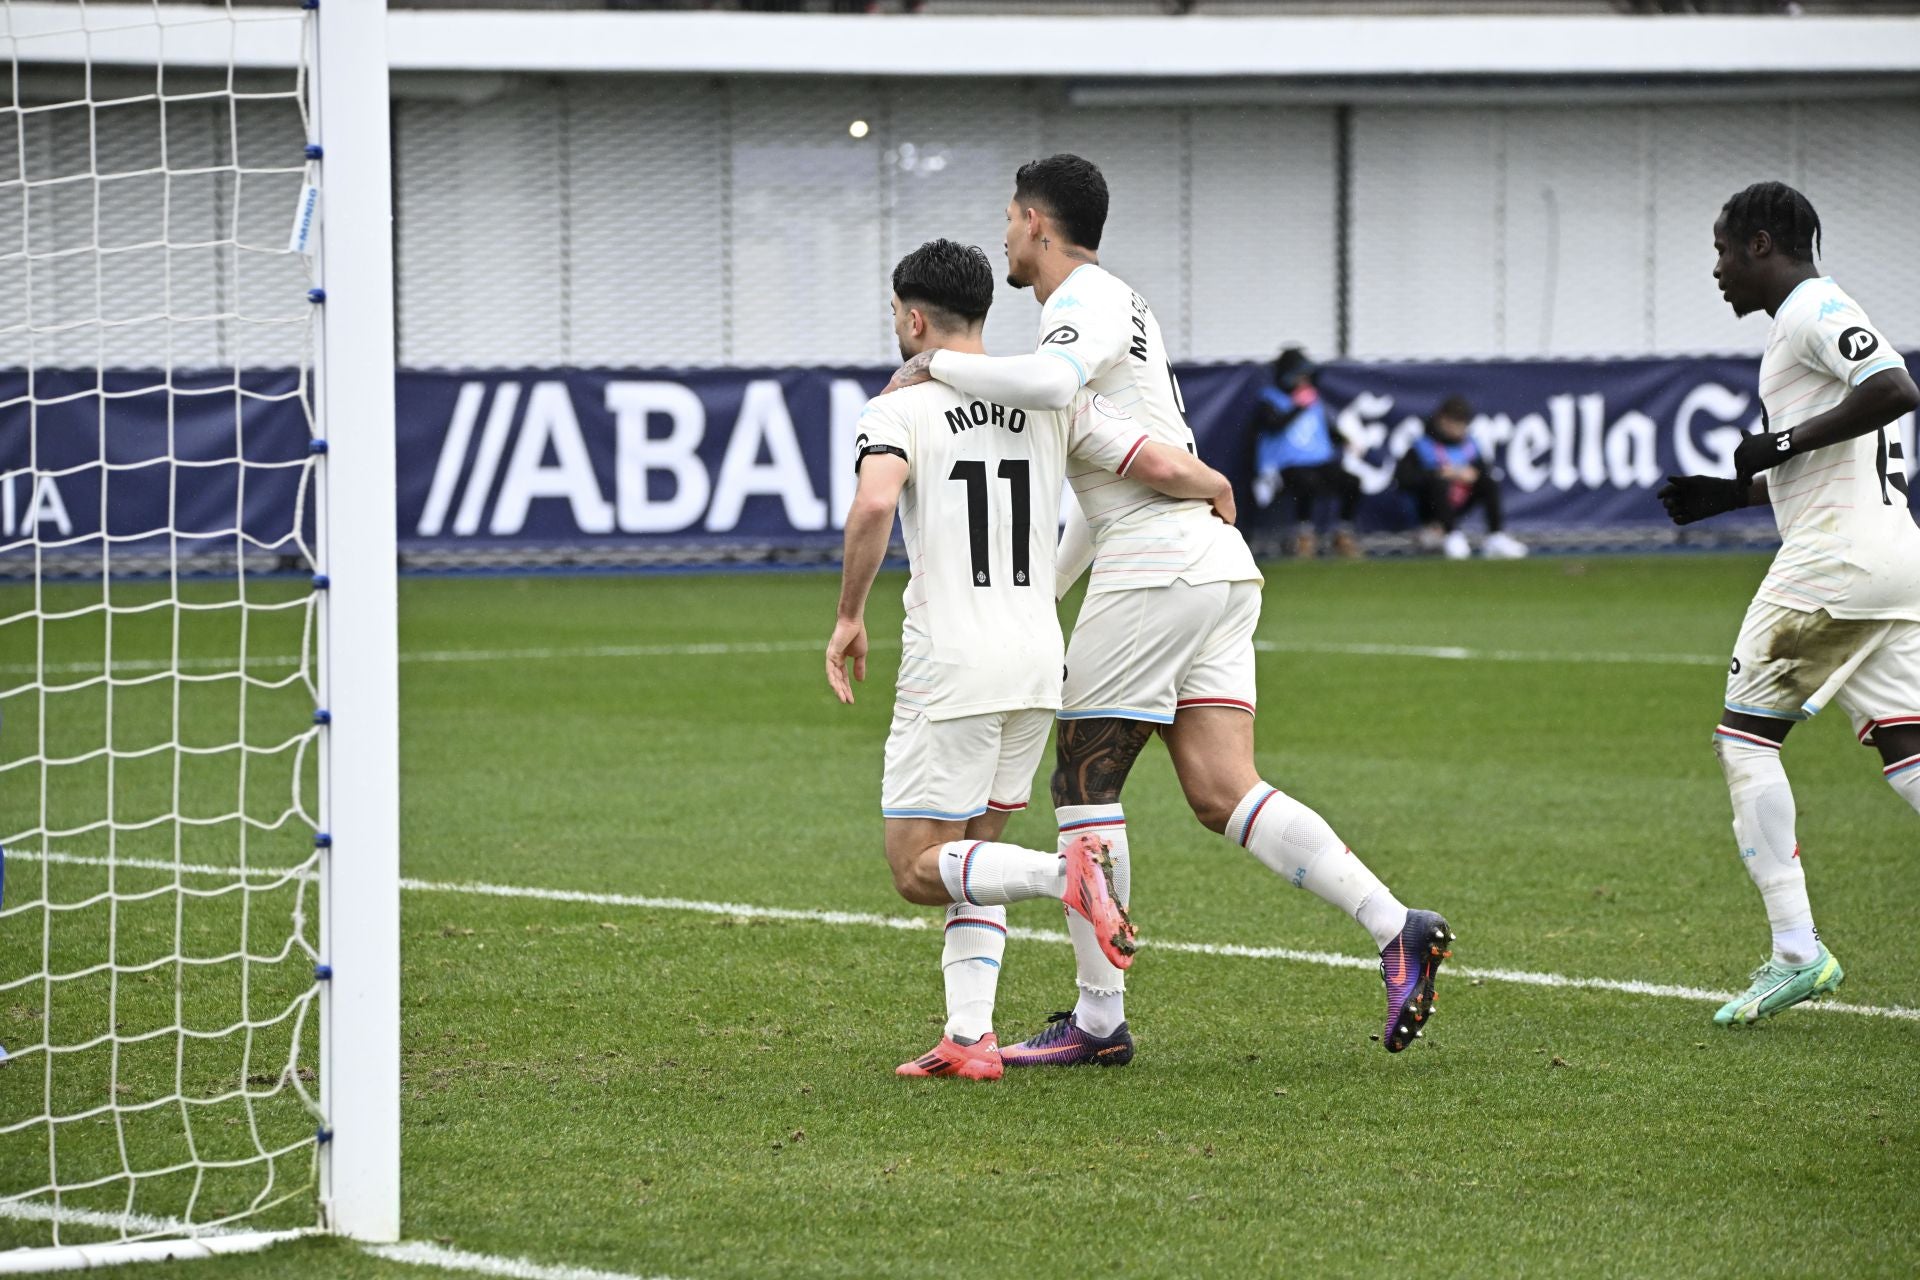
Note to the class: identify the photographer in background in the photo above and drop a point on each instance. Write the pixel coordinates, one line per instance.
(1299, 457)
(1447, 475)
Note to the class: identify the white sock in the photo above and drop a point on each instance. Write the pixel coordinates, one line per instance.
(1102, 1004)
(1763, 815)
(970, 963)
(982, 873)
(1904, 776)
(1297, 843)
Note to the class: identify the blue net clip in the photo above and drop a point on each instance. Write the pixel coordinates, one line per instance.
(317, 445)
(316, 295)
(321, 582)
(322, 840)
(322, 972)
(323, 1135)
(315, 151)
(323, 716)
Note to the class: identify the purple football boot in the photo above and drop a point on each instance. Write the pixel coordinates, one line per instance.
(1407, 966)
(1061, 1043)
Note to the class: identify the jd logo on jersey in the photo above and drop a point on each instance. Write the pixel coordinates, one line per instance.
(1857, 343)
(1065, 335)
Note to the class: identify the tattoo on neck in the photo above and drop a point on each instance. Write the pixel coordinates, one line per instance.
(1046, 242)
(1078, 255)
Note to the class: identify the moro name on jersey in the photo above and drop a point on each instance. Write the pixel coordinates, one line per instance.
(980, 413)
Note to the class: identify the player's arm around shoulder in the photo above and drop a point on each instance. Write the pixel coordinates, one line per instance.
(883, 456)
(1179, 474)
(1114, 441)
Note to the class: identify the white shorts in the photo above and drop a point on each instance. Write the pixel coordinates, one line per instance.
(960, 768)
(1787, 665)
(1146, 652)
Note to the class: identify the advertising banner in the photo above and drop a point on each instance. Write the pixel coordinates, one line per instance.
(541, 458)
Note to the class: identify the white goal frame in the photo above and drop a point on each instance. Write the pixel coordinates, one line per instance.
(357, 633)
(360, 762)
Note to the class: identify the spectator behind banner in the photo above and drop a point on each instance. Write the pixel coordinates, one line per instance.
(1299, 455)
(1447, 474)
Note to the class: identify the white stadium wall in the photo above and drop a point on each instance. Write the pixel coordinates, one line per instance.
(659, 190)
(684, 221)
(674, 221)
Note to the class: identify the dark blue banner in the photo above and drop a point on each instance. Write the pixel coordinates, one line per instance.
(1577, 442)
(535, 458)
(201, 458)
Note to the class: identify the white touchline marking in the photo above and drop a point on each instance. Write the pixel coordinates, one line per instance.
(137, 1223)
(1325, 959)
(1454, 653)
(716, 649)
(410, 1252)
(730, 648)
(420, 1253)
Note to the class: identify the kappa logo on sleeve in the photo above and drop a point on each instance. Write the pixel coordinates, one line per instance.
(1858, 343)
(1065, 335)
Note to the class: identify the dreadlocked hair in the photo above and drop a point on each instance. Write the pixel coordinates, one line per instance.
(1780, 211)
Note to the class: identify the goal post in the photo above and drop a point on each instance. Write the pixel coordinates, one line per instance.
(360, 787)
(199, 748)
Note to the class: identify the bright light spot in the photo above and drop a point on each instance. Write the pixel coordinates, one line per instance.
(858, 129)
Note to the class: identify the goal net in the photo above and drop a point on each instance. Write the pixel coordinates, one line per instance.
(168, 629)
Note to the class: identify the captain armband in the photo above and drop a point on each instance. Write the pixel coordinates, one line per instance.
(868, 450)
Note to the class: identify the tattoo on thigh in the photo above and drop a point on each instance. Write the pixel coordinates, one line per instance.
(1094, 758)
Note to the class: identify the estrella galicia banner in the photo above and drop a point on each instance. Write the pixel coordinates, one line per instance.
(547, 458)
(1576, 442)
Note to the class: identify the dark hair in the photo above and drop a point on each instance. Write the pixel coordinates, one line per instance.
(1072, 192)
(1780, 211)
(955, 281)
(1455, 407)
(1293, 367)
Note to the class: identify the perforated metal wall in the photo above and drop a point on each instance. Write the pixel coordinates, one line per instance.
(149, 234)
(685, 221)
(1563, 231)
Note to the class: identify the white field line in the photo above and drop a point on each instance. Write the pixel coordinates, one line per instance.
(750, 911)
(136, 1223)
(722, 649)
(421, 1254)
(718, 649)
(412, 1252)
(1454, 653)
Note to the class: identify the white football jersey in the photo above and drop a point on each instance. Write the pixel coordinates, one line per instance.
(1849, 543)
(979, 515)
(1141, 538)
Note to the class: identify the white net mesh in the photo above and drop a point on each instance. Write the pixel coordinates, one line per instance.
(158, 608)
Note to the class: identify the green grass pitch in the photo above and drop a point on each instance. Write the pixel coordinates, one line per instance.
(685, 1093)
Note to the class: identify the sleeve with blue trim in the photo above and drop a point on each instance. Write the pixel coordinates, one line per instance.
(1090, 335)
(1037, 381)
(1838, 339)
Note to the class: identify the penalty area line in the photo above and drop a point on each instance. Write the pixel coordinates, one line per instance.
(865, 919)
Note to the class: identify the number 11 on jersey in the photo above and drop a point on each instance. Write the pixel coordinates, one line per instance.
(974, 476)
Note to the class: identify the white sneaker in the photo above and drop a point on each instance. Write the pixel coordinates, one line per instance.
(1501, 546)
(1456, 547)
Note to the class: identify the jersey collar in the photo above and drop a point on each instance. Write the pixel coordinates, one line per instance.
(1796, 289)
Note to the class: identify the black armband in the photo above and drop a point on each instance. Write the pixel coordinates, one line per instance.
(868, 449)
